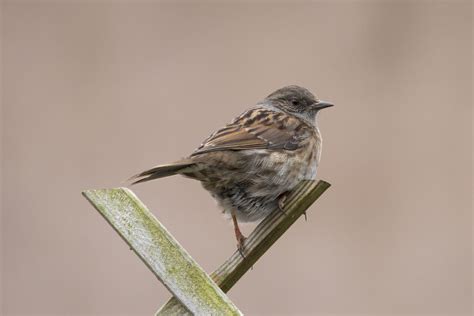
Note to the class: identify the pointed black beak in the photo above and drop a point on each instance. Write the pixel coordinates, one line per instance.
(322, 104)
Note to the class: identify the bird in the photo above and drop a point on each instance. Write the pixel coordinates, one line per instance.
(252, 163)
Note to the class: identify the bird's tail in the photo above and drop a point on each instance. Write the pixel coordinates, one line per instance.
(163, 171)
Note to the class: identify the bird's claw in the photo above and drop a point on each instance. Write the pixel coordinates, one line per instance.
(281, 203)
(241, 245)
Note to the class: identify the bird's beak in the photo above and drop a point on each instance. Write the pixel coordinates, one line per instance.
(322, 104)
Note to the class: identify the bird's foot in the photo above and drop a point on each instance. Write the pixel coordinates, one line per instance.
(239, 236)
(281, 203)
(241, 244)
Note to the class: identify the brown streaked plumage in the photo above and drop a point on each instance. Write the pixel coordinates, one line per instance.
(250, 164)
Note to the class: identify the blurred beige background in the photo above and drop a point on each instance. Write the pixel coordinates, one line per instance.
(95, 91)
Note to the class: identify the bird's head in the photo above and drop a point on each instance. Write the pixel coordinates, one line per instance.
(297, 100)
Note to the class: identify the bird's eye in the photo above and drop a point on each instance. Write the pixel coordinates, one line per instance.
(295, 102)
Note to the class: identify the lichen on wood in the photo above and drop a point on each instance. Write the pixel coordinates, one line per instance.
(259, 241)
(165, 257)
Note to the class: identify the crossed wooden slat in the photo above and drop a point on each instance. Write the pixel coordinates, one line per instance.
(195, 292)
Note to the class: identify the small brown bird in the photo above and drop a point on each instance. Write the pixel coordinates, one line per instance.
(251, 164)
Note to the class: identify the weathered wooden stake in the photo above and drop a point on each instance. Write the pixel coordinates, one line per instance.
(194, 291)
(165, 257)
(259, 241)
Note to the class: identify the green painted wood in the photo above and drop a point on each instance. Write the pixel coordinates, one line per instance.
(259, 241)
(165, 257)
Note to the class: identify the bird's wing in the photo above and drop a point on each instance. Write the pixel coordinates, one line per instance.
(258, 128)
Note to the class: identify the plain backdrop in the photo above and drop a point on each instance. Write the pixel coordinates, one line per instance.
(94, 92)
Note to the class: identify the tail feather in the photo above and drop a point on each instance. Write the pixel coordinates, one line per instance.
(161, 171)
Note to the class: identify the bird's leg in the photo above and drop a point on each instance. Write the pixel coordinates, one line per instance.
(238, 235)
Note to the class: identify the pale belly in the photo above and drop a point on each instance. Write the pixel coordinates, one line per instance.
(253, 188)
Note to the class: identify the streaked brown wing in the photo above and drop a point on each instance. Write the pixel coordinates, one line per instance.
(258, 128)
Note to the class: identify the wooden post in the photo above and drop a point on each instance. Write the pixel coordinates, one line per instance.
(259, 241)
(165, 257)
(194, 291)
